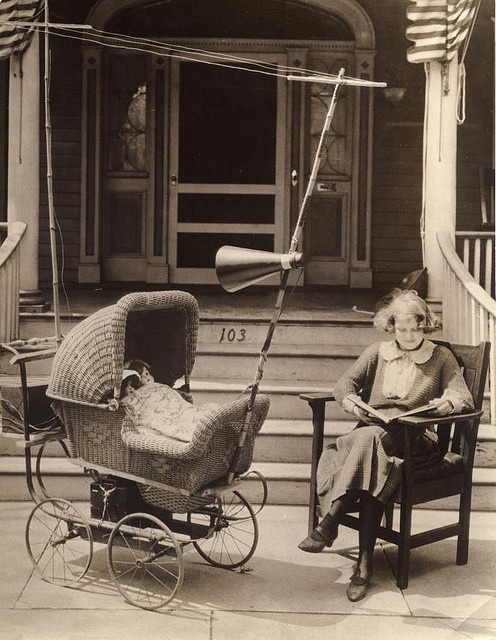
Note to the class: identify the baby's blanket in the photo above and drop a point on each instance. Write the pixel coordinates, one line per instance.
(156, 409)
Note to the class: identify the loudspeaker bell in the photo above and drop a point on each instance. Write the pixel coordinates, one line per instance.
(238, 268)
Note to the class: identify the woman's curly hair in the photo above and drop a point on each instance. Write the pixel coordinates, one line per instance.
(401, 301)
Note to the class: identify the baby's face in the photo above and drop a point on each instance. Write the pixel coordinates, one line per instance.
(146, 377)
(128, 389)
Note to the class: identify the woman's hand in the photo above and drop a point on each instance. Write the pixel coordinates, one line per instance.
(443, 407)
(350, 407)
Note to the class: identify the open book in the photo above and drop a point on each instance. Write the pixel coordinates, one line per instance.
(377, 413)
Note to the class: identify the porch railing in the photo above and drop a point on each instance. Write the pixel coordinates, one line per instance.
(476, 249)
(469, 312)
(10, 266)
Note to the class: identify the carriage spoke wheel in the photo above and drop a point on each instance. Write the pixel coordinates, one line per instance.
(233, 535)
(145, 560)
(59, 541)
(40, 458)
(258, 490)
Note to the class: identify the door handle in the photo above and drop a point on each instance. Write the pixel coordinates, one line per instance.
(294, 177)
(173, 181)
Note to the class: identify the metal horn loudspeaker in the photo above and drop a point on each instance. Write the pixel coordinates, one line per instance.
(238, 268)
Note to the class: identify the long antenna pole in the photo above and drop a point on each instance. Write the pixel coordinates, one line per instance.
(285, 276)
(51, 209)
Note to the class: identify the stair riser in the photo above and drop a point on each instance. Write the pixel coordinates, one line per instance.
(229, 330)
(287, 367)
(254, 333)
(281, 492)
(275, 448)
(270, 448)
(282, 405)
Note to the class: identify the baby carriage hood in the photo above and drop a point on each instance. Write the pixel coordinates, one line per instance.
(158, 327)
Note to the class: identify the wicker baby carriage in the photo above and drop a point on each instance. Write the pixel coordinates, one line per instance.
(176, 492)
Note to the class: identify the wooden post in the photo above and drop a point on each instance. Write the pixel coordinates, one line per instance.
(440, 137)
(24, 164)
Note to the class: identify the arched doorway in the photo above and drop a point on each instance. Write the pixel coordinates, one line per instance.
(182, 157)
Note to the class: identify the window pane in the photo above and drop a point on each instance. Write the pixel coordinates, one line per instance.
(219, 208)
(127, 114)
(227, 126)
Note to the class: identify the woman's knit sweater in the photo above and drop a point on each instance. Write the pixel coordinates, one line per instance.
(437, 375)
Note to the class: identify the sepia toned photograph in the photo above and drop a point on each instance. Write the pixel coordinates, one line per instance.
(247, 320)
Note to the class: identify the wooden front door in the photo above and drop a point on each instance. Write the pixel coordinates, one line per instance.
(227, 165)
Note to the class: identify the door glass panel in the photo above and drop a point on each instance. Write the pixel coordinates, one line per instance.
(226, 208)
(335, 159)
(198, 250)
(123, 223)
(326, 227)
(227, 126)
(127, 114)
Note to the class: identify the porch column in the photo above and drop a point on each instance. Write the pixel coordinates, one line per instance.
(440, 137)
(24, 164)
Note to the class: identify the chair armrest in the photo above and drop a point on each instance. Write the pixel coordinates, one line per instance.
(318, 397)
(32, 356)
(416, 421)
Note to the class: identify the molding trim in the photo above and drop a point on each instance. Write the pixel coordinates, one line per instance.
(348, 10)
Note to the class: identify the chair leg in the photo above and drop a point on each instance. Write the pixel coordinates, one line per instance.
(388, 514)
(463, 537)
(403, 564)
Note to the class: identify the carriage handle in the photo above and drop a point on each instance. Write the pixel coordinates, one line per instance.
(112, 405)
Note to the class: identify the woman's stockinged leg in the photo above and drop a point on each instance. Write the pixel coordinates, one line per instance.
(371, 512)
(326, 531)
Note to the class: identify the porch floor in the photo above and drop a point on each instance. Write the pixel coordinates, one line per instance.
(255, 302)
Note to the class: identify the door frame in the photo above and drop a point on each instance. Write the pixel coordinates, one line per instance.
(159, 266)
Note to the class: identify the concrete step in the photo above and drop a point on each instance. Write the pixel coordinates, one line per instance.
(241, 330)
(291, 441)
(288, 441)
(288, 483)
(291, 362)
(284, 395)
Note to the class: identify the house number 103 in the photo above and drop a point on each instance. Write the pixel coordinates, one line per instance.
(232, 335)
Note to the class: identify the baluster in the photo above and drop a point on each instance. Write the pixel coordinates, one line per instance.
(477, 260)
(466, 253)
(488, 277)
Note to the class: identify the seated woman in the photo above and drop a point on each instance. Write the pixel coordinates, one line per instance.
(157, 409)
(365, 465)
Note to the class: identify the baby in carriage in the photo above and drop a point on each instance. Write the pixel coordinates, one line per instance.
(156, 408)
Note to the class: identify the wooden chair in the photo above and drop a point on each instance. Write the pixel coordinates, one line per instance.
(452, 476)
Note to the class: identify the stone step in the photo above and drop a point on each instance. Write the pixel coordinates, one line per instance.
(285, 402)
(291, 362)
(241, 329)
(291, 441)
(249, 331)
(288, 483)
(285, 441)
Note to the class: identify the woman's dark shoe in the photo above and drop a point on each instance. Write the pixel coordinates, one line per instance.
(357, 589)
(317, 540)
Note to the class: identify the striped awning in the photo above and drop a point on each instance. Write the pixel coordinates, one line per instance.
(15, 39)
(439, 28)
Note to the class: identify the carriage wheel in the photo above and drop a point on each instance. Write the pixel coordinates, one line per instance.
(258, 489)
(145, 560)
(39, 464)
(59, 541)
(233, 537)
